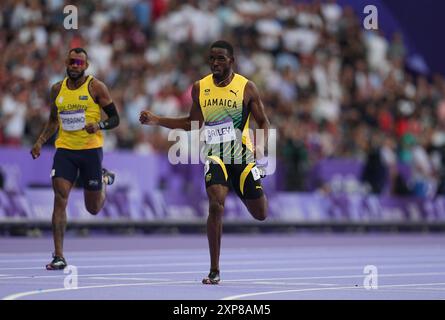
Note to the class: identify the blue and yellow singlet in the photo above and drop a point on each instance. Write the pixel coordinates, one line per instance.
(76, 108)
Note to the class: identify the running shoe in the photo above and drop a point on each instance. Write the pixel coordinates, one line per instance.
(58, 263)
(212, 278)
(108, 176)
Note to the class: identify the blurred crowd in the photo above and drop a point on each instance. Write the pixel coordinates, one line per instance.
(331, 88)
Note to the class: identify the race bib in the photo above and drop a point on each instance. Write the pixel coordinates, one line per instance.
(220, 131)
(72, 120)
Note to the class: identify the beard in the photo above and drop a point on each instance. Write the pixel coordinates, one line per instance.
(74, 75)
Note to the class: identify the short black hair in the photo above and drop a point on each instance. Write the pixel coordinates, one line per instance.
(223, 45)
(78, 50)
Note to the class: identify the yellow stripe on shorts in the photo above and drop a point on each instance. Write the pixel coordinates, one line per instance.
(244, 175)
(223, 166)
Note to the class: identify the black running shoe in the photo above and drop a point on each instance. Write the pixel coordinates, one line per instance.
(109, 176)
(212, 278)
(58, 263)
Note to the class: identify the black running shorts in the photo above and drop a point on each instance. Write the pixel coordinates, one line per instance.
(85, 164)
(244, 179)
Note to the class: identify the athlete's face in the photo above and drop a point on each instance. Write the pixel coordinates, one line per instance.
(76, 64)
(220, 62)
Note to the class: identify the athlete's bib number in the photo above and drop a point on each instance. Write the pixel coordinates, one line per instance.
(72, 120)
(220, 131)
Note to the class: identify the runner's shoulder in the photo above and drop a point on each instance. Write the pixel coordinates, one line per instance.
(97, 88)
(195, 90)
(56, 86)
(96, 83)
(55, 89)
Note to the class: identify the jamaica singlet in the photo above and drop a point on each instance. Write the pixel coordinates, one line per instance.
(76, 108)
(226, 120)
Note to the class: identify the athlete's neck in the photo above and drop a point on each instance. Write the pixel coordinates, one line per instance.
(223, 81)
(76, 83)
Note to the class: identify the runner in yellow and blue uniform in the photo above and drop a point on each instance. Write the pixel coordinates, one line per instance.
(76, 104)
(224, 101)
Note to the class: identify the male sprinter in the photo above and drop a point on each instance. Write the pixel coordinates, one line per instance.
(224, 101)
(76, 104)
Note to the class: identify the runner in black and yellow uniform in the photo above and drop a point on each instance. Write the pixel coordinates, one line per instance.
(76, 104)
(229, 150)
(224, 101)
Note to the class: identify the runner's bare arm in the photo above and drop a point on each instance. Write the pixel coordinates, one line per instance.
(51, 125)
(149, 118)
(257, 108)
(102, 97)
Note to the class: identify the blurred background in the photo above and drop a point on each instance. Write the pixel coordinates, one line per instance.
(360, 114)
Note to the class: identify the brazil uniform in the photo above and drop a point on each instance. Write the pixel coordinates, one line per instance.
(229, 149)
(78, 152)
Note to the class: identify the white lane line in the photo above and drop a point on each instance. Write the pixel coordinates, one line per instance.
(303, 252)
(271, 256)
(145, 256)
(430, 289)
(36, 292)
(172, 264)
(147, 265)
(359, 275)
(289, 284)
(351, 276)
(29, 293)
(405, 265)
(255, 294)
(127, 278)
